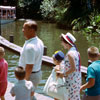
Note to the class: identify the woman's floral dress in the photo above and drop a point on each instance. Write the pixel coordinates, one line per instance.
(73, 80)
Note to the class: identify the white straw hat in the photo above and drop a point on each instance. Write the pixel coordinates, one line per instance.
(69, 38)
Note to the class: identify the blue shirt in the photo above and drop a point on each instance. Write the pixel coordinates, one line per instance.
(93, 71)
(22, 90)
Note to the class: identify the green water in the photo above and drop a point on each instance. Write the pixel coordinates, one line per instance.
(49, 33)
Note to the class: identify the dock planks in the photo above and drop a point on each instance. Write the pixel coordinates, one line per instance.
(15, 48)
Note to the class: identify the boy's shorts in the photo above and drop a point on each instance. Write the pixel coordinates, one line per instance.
(3, 87)
(86, 97)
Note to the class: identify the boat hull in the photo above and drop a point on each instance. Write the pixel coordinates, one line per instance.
(5, 21)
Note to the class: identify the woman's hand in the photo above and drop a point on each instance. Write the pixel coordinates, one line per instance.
(57, 68)
(59, 74)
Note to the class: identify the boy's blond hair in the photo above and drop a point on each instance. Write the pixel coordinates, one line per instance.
(93, 52)
(2, 51)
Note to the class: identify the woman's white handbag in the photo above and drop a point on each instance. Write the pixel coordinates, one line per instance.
(56, 87)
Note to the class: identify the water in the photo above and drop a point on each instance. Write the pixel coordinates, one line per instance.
(49, 33)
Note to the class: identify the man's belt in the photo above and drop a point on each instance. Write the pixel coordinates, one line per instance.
(36, 71)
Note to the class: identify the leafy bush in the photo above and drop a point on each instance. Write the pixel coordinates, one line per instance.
(74, 14)
(94, 27)
(60, 13)
(81, 22)
(48, 9)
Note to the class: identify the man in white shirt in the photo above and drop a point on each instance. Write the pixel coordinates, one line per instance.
(31, 54)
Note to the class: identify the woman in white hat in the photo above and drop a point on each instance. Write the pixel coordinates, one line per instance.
(72, 71)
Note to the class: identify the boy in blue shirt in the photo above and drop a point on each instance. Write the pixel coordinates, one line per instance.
(23, 89)
(92, 87)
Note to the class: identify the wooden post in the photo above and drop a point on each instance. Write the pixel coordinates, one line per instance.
(89, 62)
(45, 50)
(11, 38)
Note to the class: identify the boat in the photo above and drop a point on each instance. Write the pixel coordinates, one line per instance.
(7, 14)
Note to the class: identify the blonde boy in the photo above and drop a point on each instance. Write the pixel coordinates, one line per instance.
(92, 87)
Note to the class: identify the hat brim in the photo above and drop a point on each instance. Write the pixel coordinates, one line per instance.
(66, 39)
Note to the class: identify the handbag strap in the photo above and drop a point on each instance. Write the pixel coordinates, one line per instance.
(79, 62)
(63, 83)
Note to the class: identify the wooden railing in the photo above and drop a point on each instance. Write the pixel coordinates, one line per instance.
(15, 48)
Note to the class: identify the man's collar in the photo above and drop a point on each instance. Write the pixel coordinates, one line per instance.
(34, 38)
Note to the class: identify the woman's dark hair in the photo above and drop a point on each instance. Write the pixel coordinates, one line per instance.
(62, 39)
(20, 72)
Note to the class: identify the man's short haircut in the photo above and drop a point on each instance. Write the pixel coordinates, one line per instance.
(2, 51)
(93, 52)
(31, 24)
(20, 72)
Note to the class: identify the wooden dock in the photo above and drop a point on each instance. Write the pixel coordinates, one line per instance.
(15, 48)
(38, 96)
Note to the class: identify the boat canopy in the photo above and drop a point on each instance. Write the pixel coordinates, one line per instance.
(7, 7)
(7, 12)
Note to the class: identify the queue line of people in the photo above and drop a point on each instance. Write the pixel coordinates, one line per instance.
(29, 71)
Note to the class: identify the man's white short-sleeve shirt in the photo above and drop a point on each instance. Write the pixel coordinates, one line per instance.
(32, 53)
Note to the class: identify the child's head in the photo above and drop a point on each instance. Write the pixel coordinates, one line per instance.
(93, 52)
(20, 73)
(58, 56)
(2, 52)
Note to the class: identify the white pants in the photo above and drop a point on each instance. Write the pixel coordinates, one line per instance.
(35, 78)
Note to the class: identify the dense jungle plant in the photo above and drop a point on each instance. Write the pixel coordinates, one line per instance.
(94, 26)
(64, 11)
(53, 9)
(8, 2)
(30, 8)
(48, 9)
(81, 22)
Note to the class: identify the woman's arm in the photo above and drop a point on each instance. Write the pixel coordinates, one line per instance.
(72, 64)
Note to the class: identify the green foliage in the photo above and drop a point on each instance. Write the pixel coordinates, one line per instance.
(21, 3)
(94, 27)
(48, 9)
(53, 9)
(30, 8)
(60, 13)
(24, 3)
(63, 11)
(81, 22)
(9, 2)
(74, 14)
